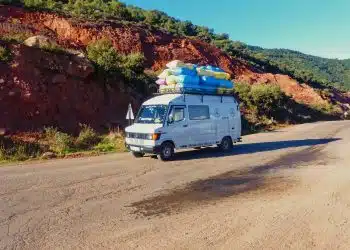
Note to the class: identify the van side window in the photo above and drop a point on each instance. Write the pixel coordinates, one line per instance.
(198, 112)
(178, 114)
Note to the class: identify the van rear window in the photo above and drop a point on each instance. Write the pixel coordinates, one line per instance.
(198, 112)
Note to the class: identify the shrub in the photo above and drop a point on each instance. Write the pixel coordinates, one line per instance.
(5, 54)
(114, 142)
(11, 150)
(268, 99)
(243, 92)
(263, 99)
(17, 37)
(87, 138)
(134, 62)
(325, 107)
(103, 54)
(57, 141)
(112, 67)
(43, 4)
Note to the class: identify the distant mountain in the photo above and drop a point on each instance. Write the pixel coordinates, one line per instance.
(317, 71)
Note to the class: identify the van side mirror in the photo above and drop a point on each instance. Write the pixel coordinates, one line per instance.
(171, 118)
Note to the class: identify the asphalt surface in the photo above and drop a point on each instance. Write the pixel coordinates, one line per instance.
(285, 189)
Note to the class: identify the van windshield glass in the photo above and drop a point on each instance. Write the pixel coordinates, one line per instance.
(152, 114)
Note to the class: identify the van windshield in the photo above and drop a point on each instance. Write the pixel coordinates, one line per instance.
(152, 114)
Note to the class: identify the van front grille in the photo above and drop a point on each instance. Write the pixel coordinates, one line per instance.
(136, 136)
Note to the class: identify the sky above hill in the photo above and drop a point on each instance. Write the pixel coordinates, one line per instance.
(317, 27)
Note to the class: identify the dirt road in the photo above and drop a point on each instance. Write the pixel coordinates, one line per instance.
(285, 189)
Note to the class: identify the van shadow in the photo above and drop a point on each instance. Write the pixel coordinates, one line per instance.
(247, 183)
(250, 148)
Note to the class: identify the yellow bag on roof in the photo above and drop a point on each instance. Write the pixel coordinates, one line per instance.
(204, 72)
(221, 75)
(218, 75)
(171, 80)
(164, 74)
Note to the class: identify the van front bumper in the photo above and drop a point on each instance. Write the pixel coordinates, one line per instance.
(143, 149)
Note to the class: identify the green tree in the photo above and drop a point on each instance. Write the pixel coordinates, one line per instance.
(103, 54)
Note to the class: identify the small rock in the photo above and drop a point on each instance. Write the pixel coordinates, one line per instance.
(2, 81)
(2, 131)
(38, 41)
(48, 155)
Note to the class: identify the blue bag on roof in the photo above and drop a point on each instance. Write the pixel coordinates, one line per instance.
(212, 81)
(196, 88)
(215, 69)
(183, 71)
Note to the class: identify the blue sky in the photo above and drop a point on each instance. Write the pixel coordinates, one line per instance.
(317, 27)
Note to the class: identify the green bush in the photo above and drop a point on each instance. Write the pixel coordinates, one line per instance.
(268, 99)
(103, 54)
(58, 142)
(11, 150)
(93, 9)
(112, 66)
(114, 142)
(5, 54)
(263, 99)
(17, 37)
(134, 62)
(243, 92)
(325, 107)
(43, 4)
(87, 138)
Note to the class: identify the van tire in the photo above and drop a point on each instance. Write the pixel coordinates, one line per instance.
(226, 144)
(138, 154)
(166, 151)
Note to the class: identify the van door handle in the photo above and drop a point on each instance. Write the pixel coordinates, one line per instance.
(185, 126)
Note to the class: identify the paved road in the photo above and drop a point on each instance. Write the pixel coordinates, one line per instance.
(285, 189)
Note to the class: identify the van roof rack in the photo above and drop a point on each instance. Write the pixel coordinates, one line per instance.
(189, 93)
(197, 94)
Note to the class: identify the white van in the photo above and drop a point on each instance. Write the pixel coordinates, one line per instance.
(178, 121)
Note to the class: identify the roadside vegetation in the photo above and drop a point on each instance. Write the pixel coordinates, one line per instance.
(16, 36)
(266, 106)
(53, 143)
(5, 54)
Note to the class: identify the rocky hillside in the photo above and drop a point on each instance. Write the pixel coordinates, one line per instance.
(45, 88)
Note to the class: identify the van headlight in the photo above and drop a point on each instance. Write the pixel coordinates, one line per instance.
(153, 137)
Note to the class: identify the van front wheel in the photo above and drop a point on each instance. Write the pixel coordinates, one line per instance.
(226, 144)
(166, 151)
